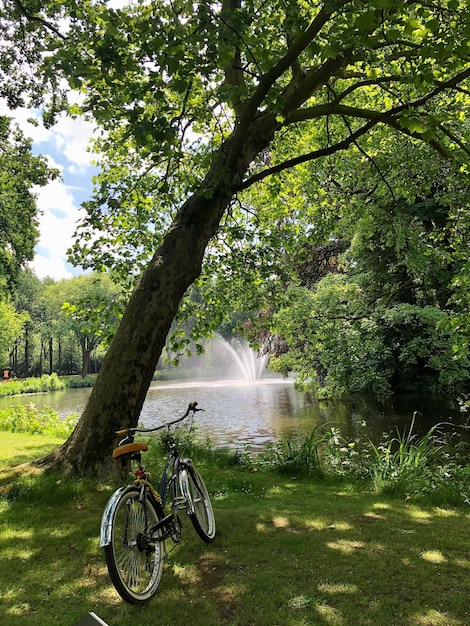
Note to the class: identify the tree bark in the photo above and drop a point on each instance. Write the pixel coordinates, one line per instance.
(122, 384)
(26, 350)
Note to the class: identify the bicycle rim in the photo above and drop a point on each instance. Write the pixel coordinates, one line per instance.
(135, 562)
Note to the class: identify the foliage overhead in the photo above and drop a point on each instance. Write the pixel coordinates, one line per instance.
(170, 82)
(384, 317)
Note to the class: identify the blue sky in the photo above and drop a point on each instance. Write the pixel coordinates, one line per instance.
(65, 147)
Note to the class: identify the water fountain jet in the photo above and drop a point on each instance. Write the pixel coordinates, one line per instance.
(249, 364)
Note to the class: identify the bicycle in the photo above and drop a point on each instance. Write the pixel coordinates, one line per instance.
(135, 523)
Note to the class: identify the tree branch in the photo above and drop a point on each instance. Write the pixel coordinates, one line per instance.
(367, 156)
(374, 117)
(36, 18)
(310, 156)
(268, 79)
(233, 72)
(454, 138)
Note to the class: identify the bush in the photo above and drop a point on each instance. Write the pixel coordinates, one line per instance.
(28, 418)
(76, 382)
(47, 382)
(299, 454)
(424, 468)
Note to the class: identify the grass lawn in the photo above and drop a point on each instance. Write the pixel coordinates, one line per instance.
(289, 552)
(18, 448)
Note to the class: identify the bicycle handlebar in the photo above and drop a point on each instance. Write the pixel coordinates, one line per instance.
(127, 431)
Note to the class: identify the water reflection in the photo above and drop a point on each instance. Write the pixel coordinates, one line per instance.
(256, 412)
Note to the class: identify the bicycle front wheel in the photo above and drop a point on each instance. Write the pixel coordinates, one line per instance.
(135, 555)
(198, 502)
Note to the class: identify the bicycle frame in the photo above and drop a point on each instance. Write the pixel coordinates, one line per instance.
(179, 501)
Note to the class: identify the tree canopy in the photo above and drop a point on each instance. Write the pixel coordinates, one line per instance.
(197, 102)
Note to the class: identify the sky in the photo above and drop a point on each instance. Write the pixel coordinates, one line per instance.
(65, 147)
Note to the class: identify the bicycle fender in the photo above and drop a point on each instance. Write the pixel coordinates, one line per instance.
(105, 534)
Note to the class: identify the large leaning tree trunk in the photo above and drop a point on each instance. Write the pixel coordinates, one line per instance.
(122, 384)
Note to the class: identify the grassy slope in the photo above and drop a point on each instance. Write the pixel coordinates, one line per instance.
(289, 552)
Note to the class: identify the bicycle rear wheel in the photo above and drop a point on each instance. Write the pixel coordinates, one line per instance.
(198, 502)
(135, 555)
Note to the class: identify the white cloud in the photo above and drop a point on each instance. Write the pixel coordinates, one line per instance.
(50, 266)
(71, 137)
(57, 225)
(22, 117)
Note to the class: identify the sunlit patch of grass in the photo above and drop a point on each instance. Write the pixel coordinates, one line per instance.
(188, 574)
(19, 610)
(20, 448)
(338, 588)
(345, 546)
(382, 506)
(372, 517)
(435, 618)
(299, 602)
(281, 522)
(317, 523)
(445, 512)
(419, 515)
(330, 615)
(433, 556)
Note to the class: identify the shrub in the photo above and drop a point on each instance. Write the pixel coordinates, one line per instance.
(28, 418)
(75, 382)
(299, 454)
(47, 382)
(406, 466)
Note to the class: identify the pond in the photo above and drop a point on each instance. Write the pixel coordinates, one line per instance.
(255, 412)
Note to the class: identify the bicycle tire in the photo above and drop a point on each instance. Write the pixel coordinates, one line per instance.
(135, 562)
(198, 502)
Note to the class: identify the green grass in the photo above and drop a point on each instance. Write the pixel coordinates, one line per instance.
(18, 448)
(290, 551)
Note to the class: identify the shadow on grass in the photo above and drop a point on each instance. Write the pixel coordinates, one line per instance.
(293, 554)
(344, 560)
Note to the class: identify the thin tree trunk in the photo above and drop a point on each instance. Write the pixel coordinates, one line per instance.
(59, 356)
(41, 354)
(85, 356)
(26, 351)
